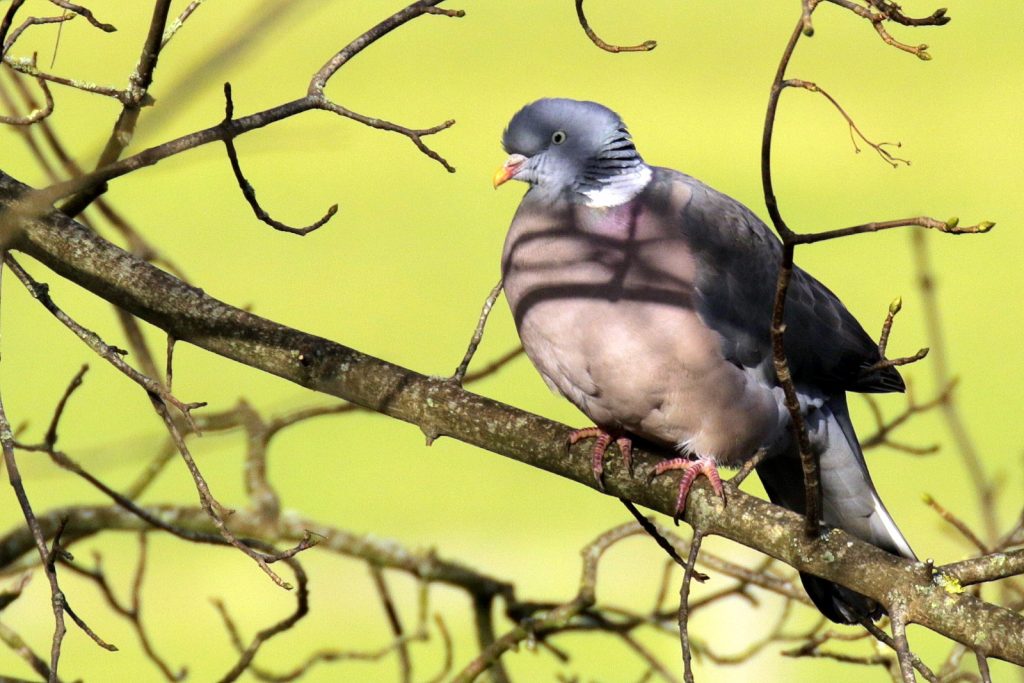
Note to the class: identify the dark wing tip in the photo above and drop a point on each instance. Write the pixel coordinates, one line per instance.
(879, 380)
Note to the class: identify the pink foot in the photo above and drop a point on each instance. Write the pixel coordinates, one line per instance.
(692, 469)
(604, 439)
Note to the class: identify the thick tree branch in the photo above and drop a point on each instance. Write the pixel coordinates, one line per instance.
(439, 408)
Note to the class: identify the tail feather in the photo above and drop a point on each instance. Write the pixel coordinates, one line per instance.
(850, 502)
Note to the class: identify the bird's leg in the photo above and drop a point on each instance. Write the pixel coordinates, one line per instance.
(703, 464)
(603, 440)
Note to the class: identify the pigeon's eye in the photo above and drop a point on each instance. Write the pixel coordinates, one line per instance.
(558, 137)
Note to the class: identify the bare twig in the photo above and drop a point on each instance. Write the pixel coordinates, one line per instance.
(950, 226)
(37, 114)
(684, 598)
(87, 186)
(27, 66)
(957, 523)
(301, 609)
(478, 333)
(791, 239)
(645, 46)
(176, 25)
(884, 427)
(884, 638)
(808, 460)
(652, 531)
(16, 643)
(749, 466)
(133, 611)
(880, 147)
(7, 43)
(136, 95)
(86, 14)
(898, 620)
(111, 354)
(56, 595)
(394, 622)
(6, 22)
(247, 189)
(952, 418)
(986, 675)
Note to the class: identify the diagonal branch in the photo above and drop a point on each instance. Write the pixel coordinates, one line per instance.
(439, 407)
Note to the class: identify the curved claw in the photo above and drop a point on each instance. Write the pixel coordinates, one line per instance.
(705, 465)
(597, 454)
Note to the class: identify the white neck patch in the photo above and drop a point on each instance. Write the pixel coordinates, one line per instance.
(619, 188)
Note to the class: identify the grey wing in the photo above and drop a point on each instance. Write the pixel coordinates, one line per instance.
(739, 260)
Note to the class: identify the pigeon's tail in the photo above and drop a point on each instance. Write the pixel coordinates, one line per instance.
(849, 499)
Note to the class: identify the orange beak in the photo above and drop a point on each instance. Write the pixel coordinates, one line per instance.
(508, 169)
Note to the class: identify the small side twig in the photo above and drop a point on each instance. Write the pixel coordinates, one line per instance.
(897, 620)
(478, 333)
(8, 42)
(645, 46)
(249, 652)
(133, 611)
(855, 132)
(111, 354)
(957, 523)
(884, 638)
(86, 14)
(176, 25)
(248, 191)
(684, 612)
(6, 22)
(394, 622)
(39, 113)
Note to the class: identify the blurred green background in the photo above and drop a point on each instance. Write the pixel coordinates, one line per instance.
(401, 272)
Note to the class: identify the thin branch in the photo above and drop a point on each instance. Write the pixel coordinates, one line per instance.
(7, 43)
(986, 675)
(247, 189)
(483, 619)
(88, 186)
(645, 46)
(898, 620)
(478, 333)
(86, 14)
(884, 638)
(137, 95)
(684, 598)
(957, 523)
(883, 427)
(16, 643)
(808, 460)
(301, 609)
(41, 293)
(652, 531)
(372, 35)
(879, 147)
(950, 226)
(160, 398)
(27, 66)
(176, 25)
(36, 115)
(6, 22)
(394, 621)
(952, 417)
(56, 595)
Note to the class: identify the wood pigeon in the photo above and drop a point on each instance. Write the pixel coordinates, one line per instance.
(644, 297)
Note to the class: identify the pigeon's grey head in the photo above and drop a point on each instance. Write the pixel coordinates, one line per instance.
(571, 148)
